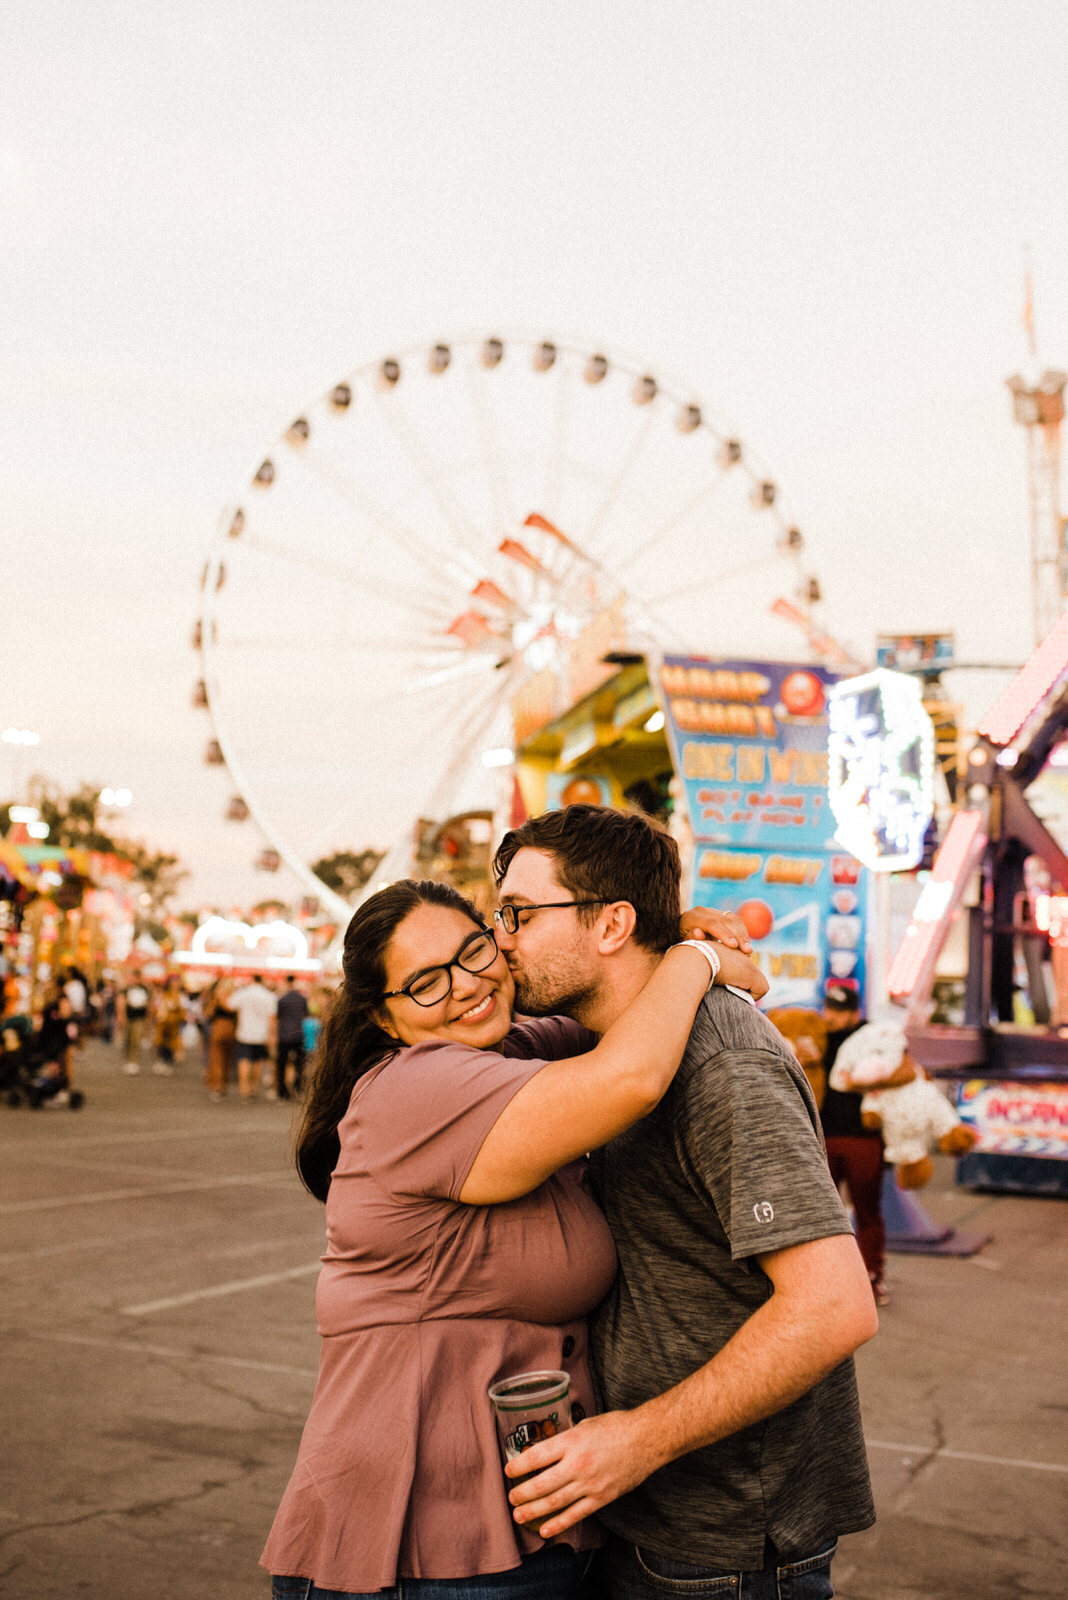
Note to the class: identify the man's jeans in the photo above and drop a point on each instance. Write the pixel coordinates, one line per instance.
(557, 1573)
(628, 1573)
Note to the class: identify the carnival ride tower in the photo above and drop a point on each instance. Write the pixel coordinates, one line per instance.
(1038, 405)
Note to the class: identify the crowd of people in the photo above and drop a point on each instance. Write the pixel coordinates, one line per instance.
(247, 1035)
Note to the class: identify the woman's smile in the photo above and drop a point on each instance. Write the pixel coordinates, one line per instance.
(476, 1013)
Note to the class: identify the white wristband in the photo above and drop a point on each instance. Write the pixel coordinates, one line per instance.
(710, 953)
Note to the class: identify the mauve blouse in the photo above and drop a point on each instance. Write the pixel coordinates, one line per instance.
(422, 1303)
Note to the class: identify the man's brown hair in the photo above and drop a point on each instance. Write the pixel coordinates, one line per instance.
(607, 855)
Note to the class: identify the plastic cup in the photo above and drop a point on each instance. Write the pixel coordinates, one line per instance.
(529, 1407)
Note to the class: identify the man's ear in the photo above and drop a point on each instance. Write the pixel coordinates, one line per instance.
(617, 923)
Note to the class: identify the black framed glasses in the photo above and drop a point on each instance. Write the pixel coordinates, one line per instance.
(433, 984)
(508, 917)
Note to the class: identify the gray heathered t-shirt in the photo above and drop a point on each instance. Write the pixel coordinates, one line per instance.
(729, 1165)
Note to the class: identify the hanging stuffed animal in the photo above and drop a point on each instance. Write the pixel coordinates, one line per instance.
(898, 1099)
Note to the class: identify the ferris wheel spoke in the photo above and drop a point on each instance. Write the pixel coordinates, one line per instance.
(709, 492)
(342, 484)
(467, 740)
(381, 644)
(353, 577)
(557, 455)
(505, 509)
(463, 533)
(719, 577)
(638, 443)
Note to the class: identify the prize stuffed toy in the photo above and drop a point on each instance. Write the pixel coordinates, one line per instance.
(898, 1099)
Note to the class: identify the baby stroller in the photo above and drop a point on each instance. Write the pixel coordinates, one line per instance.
(29, 1071)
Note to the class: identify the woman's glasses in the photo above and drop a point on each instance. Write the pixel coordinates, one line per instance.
(431, 986)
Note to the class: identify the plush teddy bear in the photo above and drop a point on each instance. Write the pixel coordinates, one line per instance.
(898, 1099)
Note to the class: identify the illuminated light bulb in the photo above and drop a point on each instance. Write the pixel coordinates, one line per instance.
(655, 722)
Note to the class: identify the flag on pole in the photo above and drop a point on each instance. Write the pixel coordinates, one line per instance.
(1028, 317)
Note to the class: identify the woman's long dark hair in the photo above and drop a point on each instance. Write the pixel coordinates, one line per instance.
(352, 1042)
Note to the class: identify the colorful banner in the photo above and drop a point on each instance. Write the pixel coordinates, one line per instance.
(1016, 1119)
(805, 912)
(749, 740)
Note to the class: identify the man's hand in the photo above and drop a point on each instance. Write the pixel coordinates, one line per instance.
(581, 1470)
(703, 922)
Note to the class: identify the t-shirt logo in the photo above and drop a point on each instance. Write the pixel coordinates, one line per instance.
(764, 1211)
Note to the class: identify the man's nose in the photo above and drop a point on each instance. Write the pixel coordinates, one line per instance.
(505, 940)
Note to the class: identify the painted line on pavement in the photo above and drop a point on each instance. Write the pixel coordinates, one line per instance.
(166, 1352)
(237, 1286)
(937, 1454)
(165, 1135)
(57, 1202)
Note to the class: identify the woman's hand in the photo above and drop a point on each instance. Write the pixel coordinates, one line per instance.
(741, 973)
(703, 922)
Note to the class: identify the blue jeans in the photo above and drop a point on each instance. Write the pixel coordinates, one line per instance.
(554, 1574)
(628, 1573)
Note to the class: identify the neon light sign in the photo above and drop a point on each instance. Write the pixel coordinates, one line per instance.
(273, 946)
(880, 746)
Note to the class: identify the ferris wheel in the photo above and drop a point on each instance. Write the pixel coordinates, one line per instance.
(433, 531)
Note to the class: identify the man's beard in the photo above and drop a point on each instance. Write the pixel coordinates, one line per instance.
(552, 995)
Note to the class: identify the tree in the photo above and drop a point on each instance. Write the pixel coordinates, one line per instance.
(75, 822)
(345, 871)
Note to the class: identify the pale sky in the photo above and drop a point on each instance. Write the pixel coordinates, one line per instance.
(814, 216)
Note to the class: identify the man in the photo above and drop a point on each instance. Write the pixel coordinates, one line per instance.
(854, 1152)
(131, 1009)
(292, 1010)
(256, 1008)
(731, 1447)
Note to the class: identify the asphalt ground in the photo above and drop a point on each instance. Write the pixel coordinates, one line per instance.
(158, 1262)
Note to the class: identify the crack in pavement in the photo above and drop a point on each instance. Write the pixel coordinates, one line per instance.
(141, 1508)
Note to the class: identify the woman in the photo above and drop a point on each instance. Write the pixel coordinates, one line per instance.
(169, 1019)
(461, 1246)
(222, 1030)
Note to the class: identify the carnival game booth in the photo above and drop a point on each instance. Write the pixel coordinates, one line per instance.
(733, 756)
(64, 906)
(999, 888)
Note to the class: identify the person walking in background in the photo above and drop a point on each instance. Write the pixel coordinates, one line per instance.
(292, 1010)
(131, 1010)
(221, 1022)
(256, 1009)
(169, 1018)
(854, 1152)
(312, 1024)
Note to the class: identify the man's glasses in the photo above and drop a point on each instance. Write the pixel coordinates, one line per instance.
(432, 985)
(507, 917)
